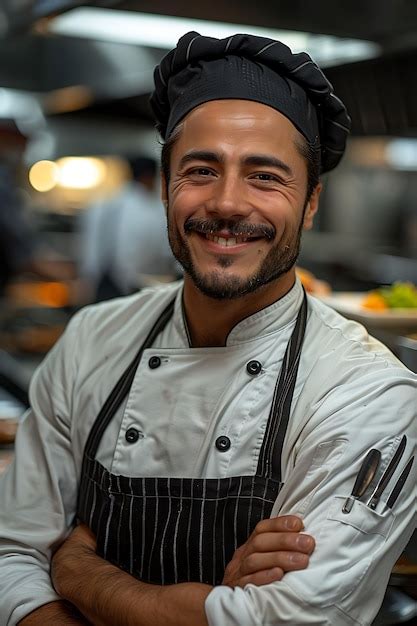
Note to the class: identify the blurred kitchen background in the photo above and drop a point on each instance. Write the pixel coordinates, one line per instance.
(75, 79)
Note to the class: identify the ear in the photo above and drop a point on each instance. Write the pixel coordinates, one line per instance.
(164, 191)
(312, 207)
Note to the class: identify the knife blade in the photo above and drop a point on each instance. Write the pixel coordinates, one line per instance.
(399, 484)
(364, 478)
(386, 476)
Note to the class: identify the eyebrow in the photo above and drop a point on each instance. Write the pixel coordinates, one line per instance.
(266, 160)
(199, 155)
(259, 160)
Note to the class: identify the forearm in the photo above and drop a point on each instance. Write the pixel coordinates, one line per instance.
(107, 596)
(58, 613)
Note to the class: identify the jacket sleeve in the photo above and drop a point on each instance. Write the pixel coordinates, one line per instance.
(38, 492)
(351, 564)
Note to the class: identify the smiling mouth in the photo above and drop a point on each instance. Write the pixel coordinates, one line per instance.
(228, 233)
(228, 242)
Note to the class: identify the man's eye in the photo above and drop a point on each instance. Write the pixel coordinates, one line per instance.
(266, 177)
(201, 171)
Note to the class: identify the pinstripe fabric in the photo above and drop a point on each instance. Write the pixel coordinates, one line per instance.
(269, 463)
(171, 530)
(182, 516)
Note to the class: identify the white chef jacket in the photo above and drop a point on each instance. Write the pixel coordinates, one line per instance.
(351, 395)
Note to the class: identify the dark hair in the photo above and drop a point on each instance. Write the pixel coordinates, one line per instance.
(167, 147)
(312, 154)
(309, 151)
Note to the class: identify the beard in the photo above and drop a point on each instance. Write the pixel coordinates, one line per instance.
(216, 284)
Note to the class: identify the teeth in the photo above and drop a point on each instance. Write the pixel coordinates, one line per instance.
(222, 241)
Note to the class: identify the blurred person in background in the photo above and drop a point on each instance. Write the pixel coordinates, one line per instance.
(17, 245)
(124, 237)
(21, 250)
(196, 429)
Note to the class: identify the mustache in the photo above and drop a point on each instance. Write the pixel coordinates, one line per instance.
(236, 228)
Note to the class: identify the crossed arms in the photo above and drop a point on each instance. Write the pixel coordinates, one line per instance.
(106, 596)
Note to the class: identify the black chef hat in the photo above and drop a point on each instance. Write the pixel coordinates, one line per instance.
(246, 67)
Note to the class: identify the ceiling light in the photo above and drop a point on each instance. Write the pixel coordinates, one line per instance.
(162, 31)
(80, 172)
(43, 175)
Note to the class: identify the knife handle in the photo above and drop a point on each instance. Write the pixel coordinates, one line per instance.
(364, 478)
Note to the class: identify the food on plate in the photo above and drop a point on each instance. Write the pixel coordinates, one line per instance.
(397, 296)
(312, 284)
(375, 301)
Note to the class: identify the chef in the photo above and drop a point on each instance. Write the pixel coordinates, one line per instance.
(193, 430)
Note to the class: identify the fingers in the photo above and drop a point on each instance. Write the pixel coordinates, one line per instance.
(276, 545)
(282, 523)
(285, 561)
(261, 578)
(274, 542)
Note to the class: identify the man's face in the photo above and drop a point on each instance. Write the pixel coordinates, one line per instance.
(236, 197)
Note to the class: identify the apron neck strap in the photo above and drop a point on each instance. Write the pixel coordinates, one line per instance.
(123, 385)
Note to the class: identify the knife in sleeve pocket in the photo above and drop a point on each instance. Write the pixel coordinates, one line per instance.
(386, 476)
(399, 484)
(364, 478)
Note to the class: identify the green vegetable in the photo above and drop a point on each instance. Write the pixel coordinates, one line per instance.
(400, 295)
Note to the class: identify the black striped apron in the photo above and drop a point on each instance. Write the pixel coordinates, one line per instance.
(171, 530)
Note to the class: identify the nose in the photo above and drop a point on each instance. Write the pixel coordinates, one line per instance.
(228, 199)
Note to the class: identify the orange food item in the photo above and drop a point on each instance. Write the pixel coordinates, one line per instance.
(375, 302)
(307, 279)
(311, 284)
(40, 293)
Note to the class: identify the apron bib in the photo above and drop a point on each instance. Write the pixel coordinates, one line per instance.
(173, 530)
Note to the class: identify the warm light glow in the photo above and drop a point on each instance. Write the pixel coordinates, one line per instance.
(80, 172)
(43, 175)
(107, 175)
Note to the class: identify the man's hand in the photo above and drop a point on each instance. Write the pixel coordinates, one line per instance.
(275, 547)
